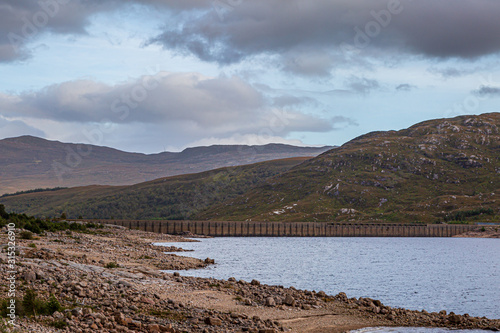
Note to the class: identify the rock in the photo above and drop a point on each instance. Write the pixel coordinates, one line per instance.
(270, 301)
(177, 274)
(454, 319)
(134, 324)
(306, 307)
(58, 315)
(121, 319)
(209, 261)
(29, 276)
(289, 300)
(213, 321)
(267, 330)
(321, 294)
(147, 300)
(255, 283)
(167, 328)
(77, 312)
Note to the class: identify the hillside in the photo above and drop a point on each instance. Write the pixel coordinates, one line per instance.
(29, 162)
(437, 170)
(177, 197)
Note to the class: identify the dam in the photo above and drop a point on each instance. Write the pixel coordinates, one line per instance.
(293, 229)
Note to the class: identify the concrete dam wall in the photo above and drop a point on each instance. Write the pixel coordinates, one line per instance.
(294, 229)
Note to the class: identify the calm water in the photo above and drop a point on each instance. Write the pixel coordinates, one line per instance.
(456, 274)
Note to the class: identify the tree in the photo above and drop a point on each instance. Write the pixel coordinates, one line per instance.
(3, 213)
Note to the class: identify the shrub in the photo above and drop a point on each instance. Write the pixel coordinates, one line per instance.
(112, 265)
(26, 234)
(53, 305)
(32, 305)
(33, 245)
(60, 324)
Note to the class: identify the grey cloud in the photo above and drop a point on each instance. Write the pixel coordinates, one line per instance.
(345, 121)
(404, 87)
(362, 85)
(290, 100)
(22, 21)
(488, 91)
(203, 104)
(433, 28)
(288, 29)
(309, 63)
(452, 72)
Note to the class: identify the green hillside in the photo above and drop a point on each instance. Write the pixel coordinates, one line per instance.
(177, 197)
(438, 170)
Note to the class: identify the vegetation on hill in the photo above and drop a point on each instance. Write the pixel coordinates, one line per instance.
(32, 224)
(177, 197)
(445, 170)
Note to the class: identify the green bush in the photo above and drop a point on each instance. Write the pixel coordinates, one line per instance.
(26, 234)
(112, 265)
(59, 324)
(53, 305)
(32, 305)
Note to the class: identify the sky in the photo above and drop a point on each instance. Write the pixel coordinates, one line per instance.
(162, 75)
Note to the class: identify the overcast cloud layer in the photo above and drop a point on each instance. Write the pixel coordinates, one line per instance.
(247, 71)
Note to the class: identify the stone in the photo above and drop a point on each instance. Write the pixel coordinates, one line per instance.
(321, 294)
(177, 274)
(306, 307)
(209, 261)
(134, 324)
(29, 276)
(289, 300)
(267, 330)
(167, 328)
(153, 328)
(213, 321)
(255, 283)
(58, 315)
(147, 300)
(270, 301)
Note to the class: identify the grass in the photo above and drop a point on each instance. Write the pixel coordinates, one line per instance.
(112, 265)
(167, 314)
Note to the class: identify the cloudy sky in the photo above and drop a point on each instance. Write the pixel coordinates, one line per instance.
(154, 75)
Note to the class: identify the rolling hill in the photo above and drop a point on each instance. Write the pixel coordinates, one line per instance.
(176, 197)
(29, 162)
(435, 171)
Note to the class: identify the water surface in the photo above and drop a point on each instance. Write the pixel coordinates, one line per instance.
(456, 274)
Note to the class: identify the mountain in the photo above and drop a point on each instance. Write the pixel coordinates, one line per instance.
(29, 162)
(177, 197)
(435, 171)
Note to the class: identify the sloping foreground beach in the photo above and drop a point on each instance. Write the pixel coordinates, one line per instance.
(109, 280)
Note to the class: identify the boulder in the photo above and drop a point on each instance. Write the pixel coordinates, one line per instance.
(289, 300)
(213, 321)
(270, 301)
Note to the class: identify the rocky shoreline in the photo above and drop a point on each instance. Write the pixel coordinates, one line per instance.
(109, 280)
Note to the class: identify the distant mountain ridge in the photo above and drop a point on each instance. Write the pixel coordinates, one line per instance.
(29, 162)
(435, 171)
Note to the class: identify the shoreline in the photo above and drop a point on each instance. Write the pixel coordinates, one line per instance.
(137, 297)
